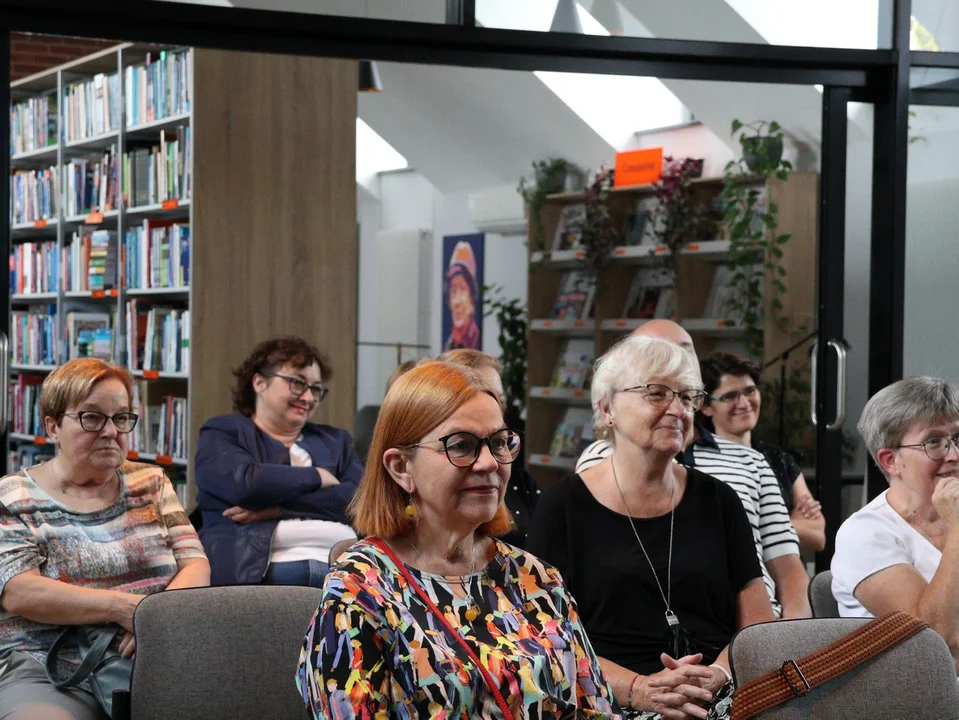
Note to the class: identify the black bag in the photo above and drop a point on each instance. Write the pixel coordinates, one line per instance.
(103, 667)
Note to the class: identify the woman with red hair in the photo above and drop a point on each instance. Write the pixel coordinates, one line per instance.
(430, 612)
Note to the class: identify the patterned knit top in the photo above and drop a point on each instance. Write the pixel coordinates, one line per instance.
(374, 650)
(132, 546)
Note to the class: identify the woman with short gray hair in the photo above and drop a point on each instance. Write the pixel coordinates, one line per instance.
(901, 551)
(660, 557)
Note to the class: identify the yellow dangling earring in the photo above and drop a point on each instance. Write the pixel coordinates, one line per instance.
(410, 509)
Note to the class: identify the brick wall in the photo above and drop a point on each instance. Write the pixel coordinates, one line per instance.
(31, 54)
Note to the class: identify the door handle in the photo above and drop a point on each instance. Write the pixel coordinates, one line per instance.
(813, 366)
(840, 385)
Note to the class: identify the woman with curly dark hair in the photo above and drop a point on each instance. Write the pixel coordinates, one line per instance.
(273, 487)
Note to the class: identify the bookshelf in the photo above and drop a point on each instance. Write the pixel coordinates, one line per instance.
(552, 401)
(109, 197)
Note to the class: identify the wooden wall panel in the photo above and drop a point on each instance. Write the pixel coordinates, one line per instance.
(274, 219)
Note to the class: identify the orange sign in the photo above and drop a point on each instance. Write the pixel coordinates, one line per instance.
(151, 374)
(94, 218)
(40, 224)
(170, 204)
(638, 167)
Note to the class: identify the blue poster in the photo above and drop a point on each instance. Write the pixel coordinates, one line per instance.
(462, 294)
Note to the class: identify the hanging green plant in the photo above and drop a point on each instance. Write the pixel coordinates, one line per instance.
(510, 315)
(598, 232)
(755, 245)
(550, 176)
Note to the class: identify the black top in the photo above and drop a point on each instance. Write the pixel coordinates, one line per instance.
(785, 465)
(522, 492)
(594, 548)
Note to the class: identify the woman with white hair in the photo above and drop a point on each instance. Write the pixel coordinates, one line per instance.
(660, 557)
(901, 551)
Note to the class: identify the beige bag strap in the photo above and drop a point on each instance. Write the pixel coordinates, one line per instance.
(795, 678)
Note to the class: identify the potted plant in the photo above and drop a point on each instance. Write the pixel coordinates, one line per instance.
(678, 216)
(755, 245)
(598, 232)
(551, 175)
(510, 315)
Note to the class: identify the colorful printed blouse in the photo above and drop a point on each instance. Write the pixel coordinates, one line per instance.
(132, 546)
(374, 650)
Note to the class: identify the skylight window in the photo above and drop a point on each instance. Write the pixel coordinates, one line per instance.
(374, 155)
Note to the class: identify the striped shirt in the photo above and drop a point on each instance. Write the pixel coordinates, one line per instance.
(132, 546)
(748, 473)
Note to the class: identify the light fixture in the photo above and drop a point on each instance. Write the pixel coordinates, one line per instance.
(369, 77)
(607, 14)
(566, 19)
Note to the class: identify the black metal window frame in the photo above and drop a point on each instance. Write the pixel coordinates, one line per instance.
(880, 77)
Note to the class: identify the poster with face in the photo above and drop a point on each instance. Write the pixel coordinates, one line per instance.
(462, 297)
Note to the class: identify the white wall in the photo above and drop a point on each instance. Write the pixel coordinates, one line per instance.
(407, 201)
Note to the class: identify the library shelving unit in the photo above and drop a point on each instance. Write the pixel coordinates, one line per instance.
(109, 195)
(548, 406)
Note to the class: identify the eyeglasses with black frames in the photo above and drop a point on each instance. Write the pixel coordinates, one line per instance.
(733, 396)
(298, 386)
(936, 448)
(662, 396)
(463, 448)
(93, 421)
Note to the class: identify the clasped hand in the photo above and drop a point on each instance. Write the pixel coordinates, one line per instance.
(684, 689)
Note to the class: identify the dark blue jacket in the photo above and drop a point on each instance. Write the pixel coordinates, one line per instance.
(237, 464)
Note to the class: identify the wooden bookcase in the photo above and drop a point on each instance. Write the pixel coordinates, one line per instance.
(271, 213)
(546, 406)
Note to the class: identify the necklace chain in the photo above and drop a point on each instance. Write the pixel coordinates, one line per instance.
(468, 585)
(667, 596)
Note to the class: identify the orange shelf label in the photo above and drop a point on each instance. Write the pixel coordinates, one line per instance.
(659, 249)
(171, 204)
(577, 393)
(151, 374)
(94, 218)
(721, 324)
(547, 323)
(546, 459)
(40, 224)
(164, 460)
(619, 251)
(39, 440)
(133, 455)
(620, 323)
(692, 248)
(98, 294)
(579, 323)
(580, 254)
(547, 391)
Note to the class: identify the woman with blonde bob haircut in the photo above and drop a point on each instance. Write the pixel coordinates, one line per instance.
(660, 556)
(430, 612)
(83, 538)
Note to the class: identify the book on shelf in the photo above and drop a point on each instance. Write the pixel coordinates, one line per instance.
(159, 88)
(722, 293)
(156, 172)
(26, 456)
(640, 226)
(91, 183)
(33, 123)
(164, 423)
(158, 337)
(91, 107)
(33, 336)
(91, 258)
(573, 434)
(156, 254)
(575, 298)
(24, 408)
(652, 294)
(574, 365)
(90, 335)
(33, 195)
(569, 231)
(34, 268)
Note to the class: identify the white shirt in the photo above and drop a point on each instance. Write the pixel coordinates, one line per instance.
(873, 539)
(297, 539)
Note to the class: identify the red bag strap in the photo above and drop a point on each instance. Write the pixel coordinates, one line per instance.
(490, 683)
